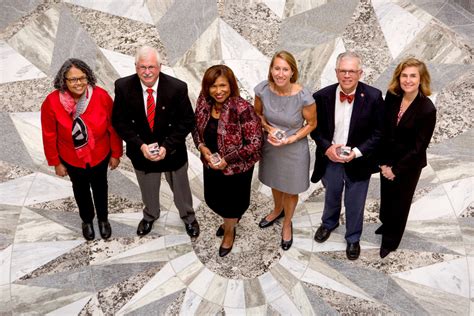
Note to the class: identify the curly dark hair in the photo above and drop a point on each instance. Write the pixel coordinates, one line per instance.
(60, 79)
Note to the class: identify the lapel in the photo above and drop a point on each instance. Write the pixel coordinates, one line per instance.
(331, 108)
(137, 94)
(359, 101)
(410, 112)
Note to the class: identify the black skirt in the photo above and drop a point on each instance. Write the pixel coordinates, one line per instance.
(228, 196)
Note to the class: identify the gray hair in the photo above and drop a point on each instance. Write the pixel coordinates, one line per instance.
(349, 54)
(145, 51)
(60, 78)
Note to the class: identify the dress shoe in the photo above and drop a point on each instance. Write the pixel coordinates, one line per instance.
(322, 234)
(220, 230)
(379, 231)
(353, 250)
(144, 227)
(286, 244)
(105, 229)
(225, 251)
(384, 252)
(192, 229)
(266, 223)
(88, 231)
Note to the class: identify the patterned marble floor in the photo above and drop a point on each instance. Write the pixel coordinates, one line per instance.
(48, 268)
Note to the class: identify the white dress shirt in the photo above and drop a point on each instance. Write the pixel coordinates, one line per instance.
(145, 94)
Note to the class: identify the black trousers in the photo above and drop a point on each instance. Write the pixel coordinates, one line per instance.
(395, 202)
(85, 179)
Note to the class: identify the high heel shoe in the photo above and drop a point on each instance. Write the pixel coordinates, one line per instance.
(266, 223)
(286, 244)
(225, 251)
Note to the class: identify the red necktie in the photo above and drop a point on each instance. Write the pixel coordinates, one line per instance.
(343, 97)
(150, 108)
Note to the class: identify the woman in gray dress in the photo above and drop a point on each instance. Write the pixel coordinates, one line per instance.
(288, 114)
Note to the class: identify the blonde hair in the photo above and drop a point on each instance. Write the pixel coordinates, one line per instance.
(425, 79)
(288, 57)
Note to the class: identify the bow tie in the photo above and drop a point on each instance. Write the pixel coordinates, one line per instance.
(343, 97)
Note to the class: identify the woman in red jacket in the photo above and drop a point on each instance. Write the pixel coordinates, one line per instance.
(229, 136)
(79, 140)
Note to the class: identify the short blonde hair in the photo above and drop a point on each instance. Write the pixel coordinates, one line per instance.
(425, 79)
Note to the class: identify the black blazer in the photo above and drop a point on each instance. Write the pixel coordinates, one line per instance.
(404, 146)
(365, 130)
(174, 120)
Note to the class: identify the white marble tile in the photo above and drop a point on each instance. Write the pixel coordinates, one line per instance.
(432, 206)
(14, 67)
(174, 240)
(190, 303)
(399, 26)
(14, 192)
(277, 6)
(285, 306)
(301, 300)
(123, 64)
(328, 75)
(470, 264)
(132, 9)
(47, 188)
(189, 273)
(129, 219)
(28, 126)
(460, 194)
(33, 227)
(216, 290)
(5, 261)
(234, 46)
(182, 262)
(249, 72)
(449, 276)
(235, 295)
(30, 256)
(294, 266)
(319, 279)
(207, 47)
(72, 309)
(202, 282)
(270, 287)
(142, 253)
(305, 244)
(35, 41)
(296, 7)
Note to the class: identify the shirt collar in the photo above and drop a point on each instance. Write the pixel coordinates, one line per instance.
(154, 87)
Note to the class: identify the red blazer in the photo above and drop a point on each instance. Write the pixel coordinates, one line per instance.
(239, 133)
(56, 124)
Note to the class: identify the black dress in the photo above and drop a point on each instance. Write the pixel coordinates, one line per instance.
(228, 196)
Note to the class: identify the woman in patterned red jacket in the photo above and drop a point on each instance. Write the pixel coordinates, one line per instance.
(229, 136)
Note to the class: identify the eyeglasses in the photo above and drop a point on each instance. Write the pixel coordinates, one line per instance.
(149, 68)
(347, 72)
(76, 80)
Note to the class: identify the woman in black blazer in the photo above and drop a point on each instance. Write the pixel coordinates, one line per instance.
(410, 121)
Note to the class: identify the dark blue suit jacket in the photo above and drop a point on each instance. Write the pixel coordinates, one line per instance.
(365, 130)
(174, 120)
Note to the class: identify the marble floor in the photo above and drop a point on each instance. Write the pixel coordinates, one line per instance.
(48, 268)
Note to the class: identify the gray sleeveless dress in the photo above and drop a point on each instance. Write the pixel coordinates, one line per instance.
(284, 168)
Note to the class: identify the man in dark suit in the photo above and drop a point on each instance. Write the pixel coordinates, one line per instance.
(153, 114)
(349, 129)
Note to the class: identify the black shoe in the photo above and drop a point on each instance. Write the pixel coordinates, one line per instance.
(225, 251)
(192, 229)
(353, 250)
(144, 227)
(379, 231)
(286, 244)
(88, 231)
(322, 234)
(266, 223)
(220, 230)
(105, 229)
(384, 252)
